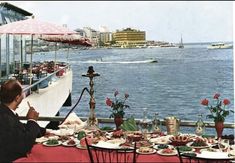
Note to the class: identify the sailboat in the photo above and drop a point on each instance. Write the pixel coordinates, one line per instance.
(181, 45)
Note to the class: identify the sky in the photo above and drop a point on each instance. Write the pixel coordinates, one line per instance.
(199, 21)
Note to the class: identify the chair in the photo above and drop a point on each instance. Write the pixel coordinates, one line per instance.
(99, 154)
(179, 155)
(190, 157)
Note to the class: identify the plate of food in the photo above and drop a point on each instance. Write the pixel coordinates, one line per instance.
(70, 143)
(146, 150)
(162, 146)
(184, 149)
(167, 152)
(210, 140)
(210, 150)
(52, 143)
(116, 141)
(144, 144)
(180, 140)
(198, 143)
(160, 140)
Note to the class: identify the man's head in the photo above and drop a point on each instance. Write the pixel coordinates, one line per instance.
(11, 93)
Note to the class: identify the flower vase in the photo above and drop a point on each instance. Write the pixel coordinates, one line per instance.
(118, 121)
(219, 126)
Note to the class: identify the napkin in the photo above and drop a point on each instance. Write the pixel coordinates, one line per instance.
(73, 122)
(104, 144)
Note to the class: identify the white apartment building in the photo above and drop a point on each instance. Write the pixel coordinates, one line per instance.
(92, 34)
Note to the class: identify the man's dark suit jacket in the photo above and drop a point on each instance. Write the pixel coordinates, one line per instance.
(16, 138)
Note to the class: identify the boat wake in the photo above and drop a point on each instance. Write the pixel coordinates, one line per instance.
(119, 62)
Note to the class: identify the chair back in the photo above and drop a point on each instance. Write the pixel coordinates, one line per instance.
(104, 155)
(179, 155)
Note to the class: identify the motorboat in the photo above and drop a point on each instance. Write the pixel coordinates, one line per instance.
(220, 46)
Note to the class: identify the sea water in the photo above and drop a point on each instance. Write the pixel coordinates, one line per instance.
(172, 86)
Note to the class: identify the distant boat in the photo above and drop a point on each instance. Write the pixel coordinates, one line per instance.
(181, 45)
(220, 46)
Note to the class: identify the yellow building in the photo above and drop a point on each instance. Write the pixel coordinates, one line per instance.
(129, 38)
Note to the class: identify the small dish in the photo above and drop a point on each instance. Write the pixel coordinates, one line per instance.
(173, 153)
(146, 153)
(51, 145)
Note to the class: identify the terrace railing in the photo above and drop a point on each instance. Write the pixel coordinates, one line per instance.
(183, 123)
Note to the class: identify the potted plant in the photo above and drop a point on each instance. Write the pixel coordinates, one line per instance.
(218, 112)
(118, 106)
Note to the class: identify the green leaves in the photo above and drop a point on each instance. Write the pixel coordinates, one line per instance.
(225, 113)
(129, 125)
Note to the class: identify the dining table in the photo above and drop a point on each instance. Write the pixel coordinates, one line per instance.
(41, 153)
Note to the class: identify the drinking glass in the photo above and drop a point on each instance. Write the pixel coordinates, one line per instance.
(144, 124)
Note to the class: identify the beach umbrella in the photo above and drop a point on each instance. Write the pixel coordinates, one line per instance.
(69, 39)
(66, 39)
(34, 27)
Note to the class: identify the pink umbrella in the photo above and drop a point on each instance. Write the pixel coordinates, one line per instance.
(34, 27)
(69, 39)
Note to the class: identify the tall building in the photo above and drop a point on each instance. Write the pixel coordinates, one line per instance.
(105, 38)
(128, 38)
(92, 35)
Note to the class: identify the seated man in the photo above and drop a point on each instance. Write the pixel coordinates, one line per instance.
(16, 138)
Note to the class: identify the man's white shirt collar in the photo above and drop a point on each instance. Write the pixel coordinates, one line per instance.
(13, 111)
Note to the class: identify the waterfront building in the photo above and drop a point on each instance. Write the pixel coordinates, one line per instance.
(105, 38)
(81, 32)
(129, 38)
(12, 50)
(92, 35)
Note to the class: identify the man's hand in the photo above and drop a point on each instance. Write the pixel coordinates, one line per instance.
(32, 114)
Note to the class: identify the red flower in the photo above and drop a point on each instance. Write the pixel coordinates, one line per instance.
(216, 96)
(116, 93)
(205, 102)
(126, 95)
(109, 102)
(226, 102)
